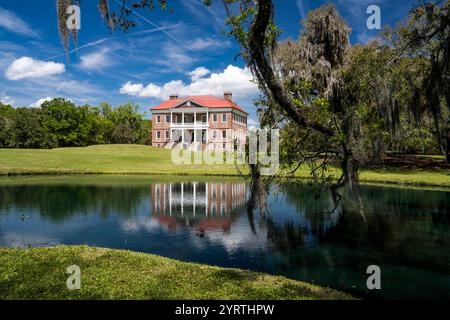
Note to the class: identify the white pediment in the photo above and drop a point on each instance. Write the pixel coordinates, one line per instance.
(188, 104)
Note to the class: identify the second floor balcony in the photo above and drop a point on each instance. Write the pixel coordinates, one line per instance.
(186, 120)
(197, 124)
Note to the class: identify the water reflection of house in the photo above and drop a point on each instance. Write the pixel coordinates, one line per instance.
(200, 205)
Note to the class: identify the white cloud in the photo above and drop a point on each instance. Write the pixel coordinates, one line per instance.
(207, 43)
(81, 88)
(198, 73)
(174, 58)
(11, 22)
(140, 223)
(302, 9)
(132, 89)
(96, 60)
(357, 8)
(235, 79)
(27, 67)
(212, 15)
(39, 102)
(252, 124)
(7, 100)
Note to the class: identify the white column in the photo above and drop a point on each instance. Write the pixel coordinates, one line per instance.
(171, 122)
(193, 197)
(170, 199)
(195, 126)
(182, 198)
(164, 198)
(207, 129)
(206, 198)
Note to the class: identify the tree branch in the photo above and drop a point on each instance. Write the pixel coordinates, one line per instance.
(265, 73)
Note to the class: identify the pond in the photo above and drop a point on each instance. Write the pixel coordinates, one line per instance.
(406, 232)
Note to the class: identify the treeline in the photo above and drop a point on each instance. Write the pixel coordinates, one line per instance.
(360, 104)
(60, 123)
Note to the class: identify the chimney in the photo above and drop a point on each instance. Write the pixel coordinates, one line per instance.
(228, 96)
(173, 96)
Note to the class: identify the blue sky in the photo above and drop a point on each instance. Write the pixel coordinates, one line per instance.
(184, 52)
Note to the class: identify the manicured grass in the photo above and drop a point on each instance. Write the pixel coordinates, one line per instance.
(40, 273)
(109, 180)
(437, 178)
(123, 159)
(138, 159)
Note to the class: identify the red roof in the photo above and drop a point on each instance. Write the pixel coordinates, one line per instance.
(206, 101)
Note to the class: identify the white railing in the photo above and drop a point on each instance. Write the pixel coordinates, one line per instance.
(197, 123)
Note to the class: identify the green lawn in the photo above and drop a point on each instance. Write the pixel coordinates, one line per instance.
(138, 159)
(419, 177)
(40, 273)
(124, 159)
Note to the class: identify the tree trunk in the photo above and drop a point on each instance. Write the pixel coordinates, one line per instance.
(349, 169)
(447, 149)
(377, 154)
(258, 191)
(349, 163)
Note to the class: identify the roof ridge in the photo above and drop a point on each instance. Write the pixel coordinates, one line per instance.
(215, 102)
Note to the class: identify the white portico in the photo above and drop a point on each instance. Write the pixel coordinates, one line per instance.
(189, 125)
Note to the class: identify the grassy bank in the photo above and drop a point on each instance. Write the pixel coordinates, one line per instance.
(40, 273)
(137, 159)
(114, 159)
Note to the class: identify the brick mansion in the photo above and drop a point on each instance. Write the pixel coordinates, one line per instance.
(199, 123)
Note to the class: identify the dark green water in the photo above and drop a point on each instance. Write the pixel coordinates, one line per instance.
(404, 231)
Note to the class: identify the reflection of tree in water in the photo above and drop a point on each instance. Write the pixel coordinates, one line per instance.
(398, 226)
(60, 202)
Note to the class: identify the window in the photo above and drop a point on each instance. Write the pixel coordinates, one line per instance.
(224, 146)
(158, 134)
(158, 119)
(224, 117)
(214, 117)
(167, 134)
(224, 134)
(167, 119)
(214, 134)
